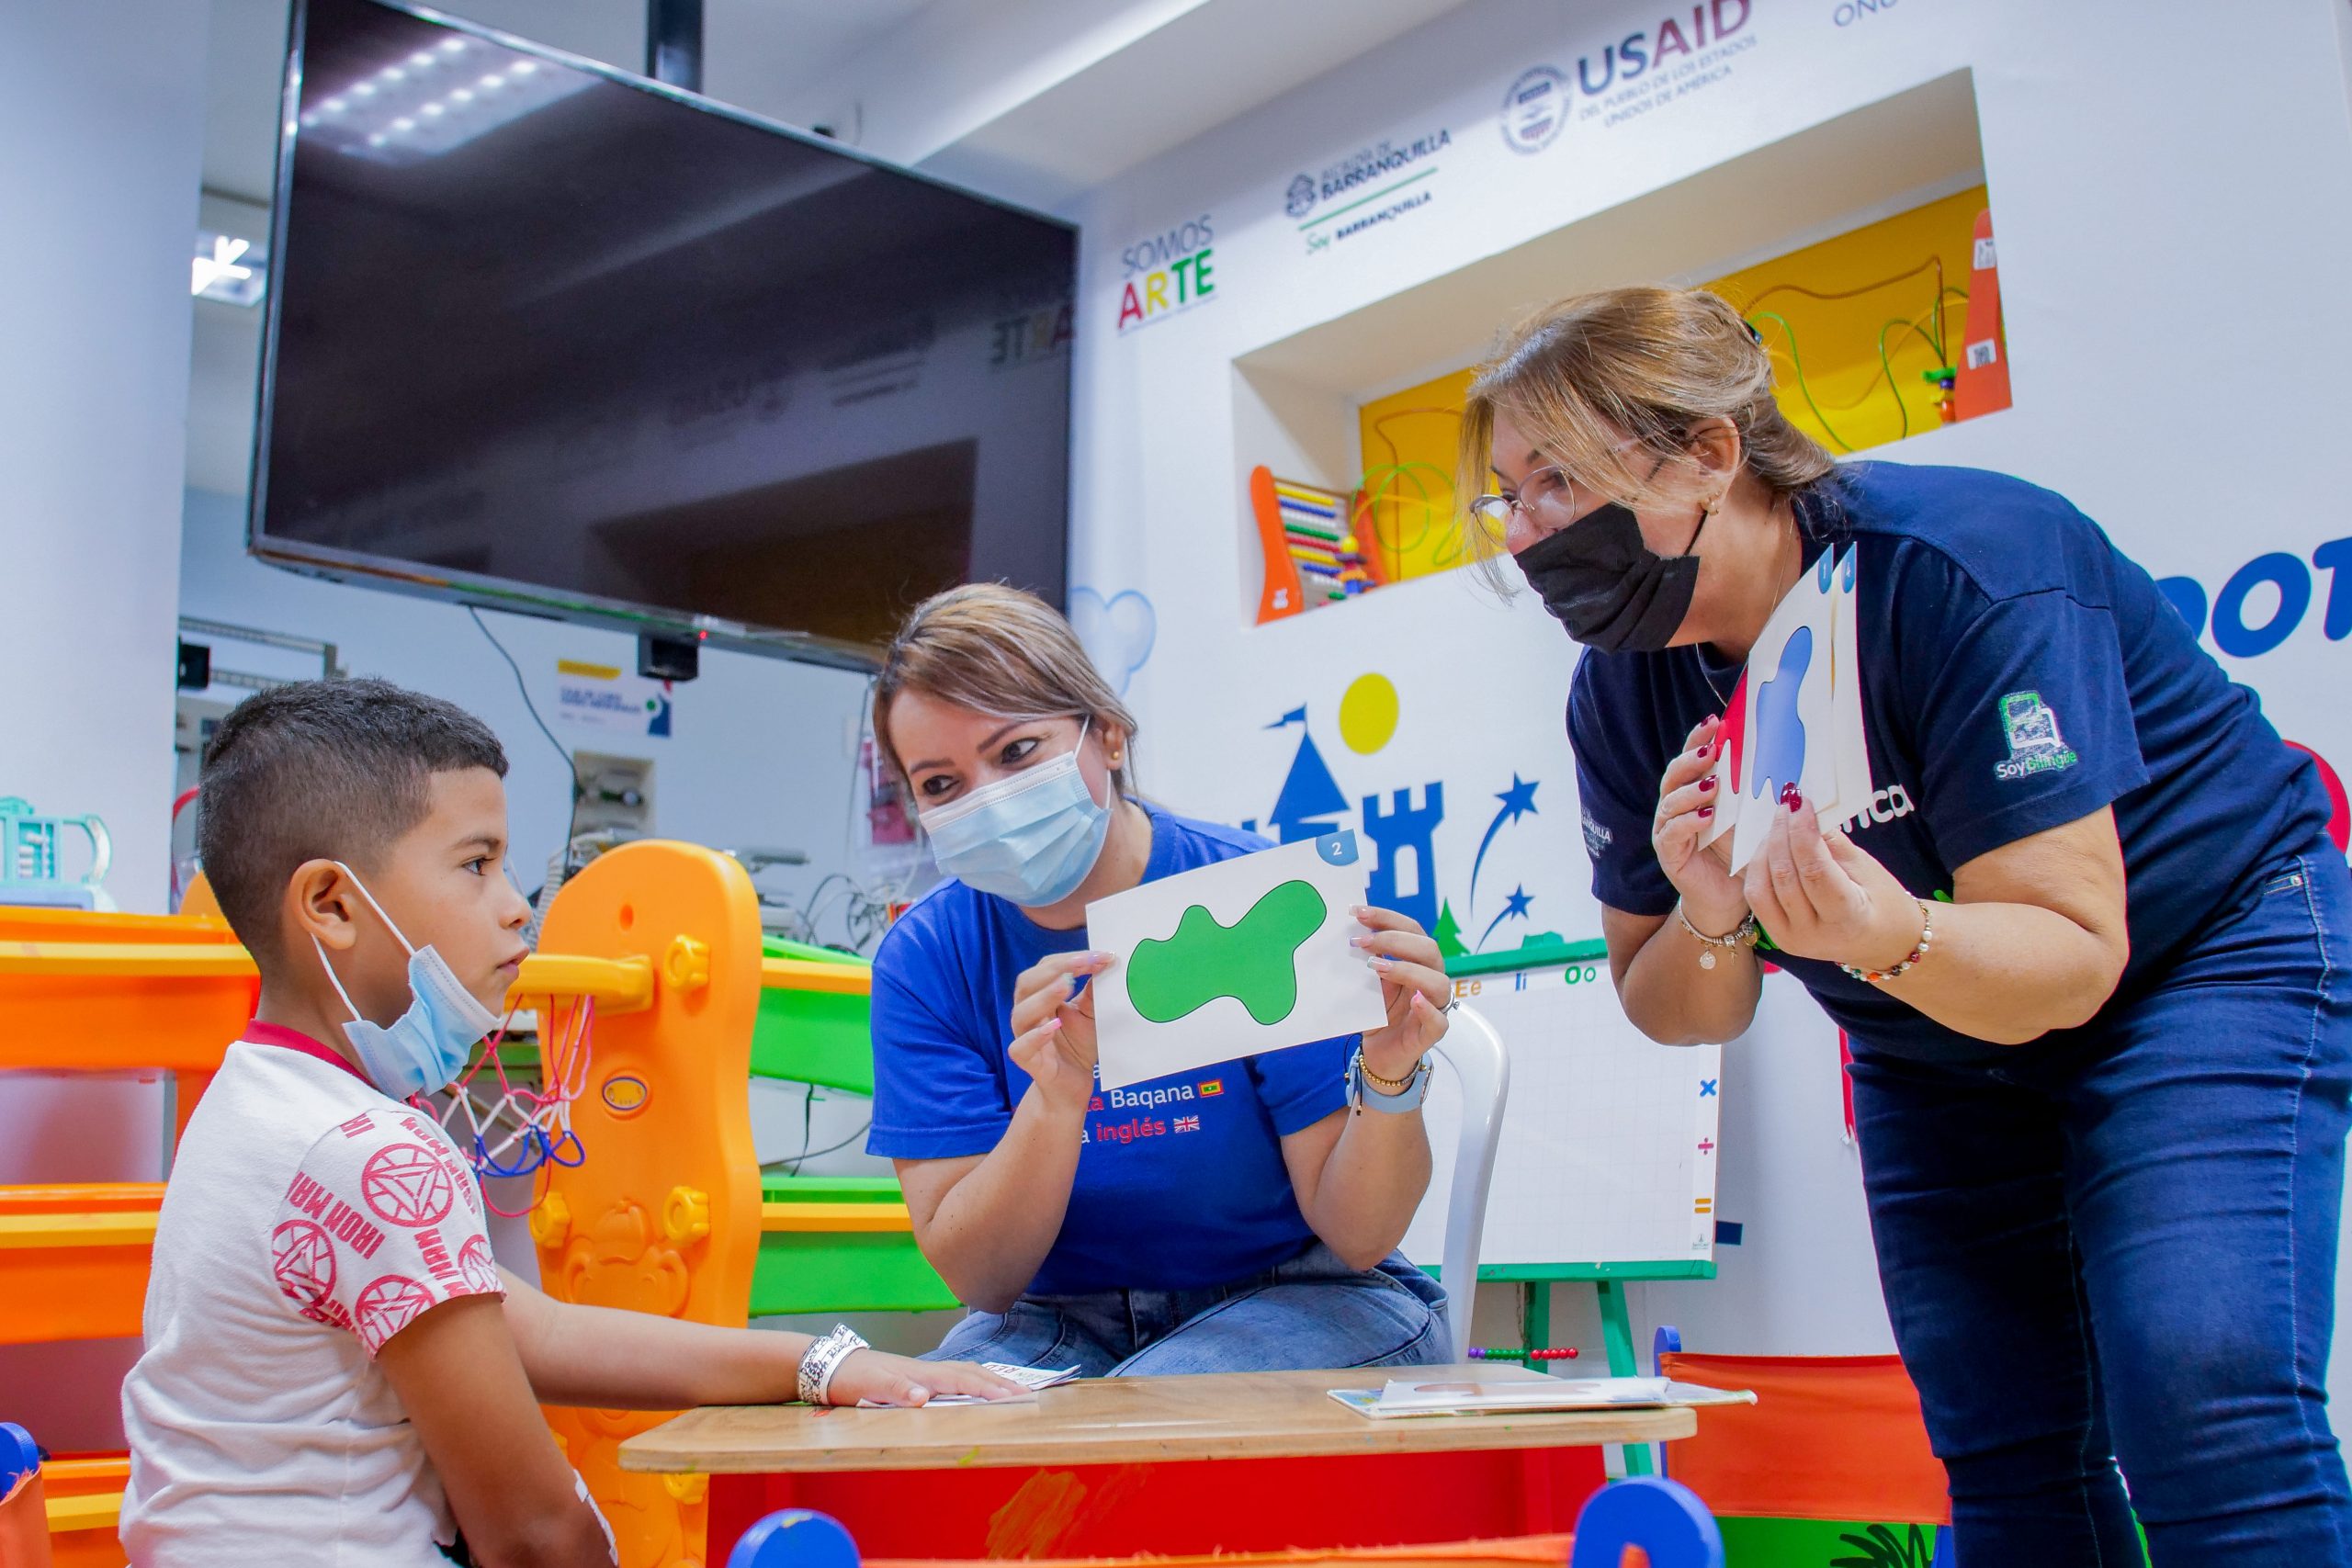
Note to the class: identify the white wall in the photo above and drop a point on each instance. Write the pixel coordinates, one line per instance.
(101, 120)
(2166, 216)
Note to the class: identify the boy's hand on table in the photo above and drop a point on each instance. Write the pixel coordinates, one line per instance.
(896, 1380)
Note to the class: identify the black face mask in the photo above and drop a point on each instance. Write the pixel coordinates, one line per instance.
(1611, 591)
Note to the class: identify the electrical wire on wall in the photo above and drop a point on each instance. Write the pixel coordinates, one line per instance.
(560, 867)
(1930, 330)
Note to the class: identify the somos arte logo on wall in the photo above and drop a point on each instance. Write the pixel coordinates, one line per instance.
(1167, 274)
(1626, 78)
(1370, 187)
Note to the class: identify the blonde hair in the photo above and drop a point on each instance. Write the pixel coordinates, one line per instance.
(1000, 652)
(1644, 363)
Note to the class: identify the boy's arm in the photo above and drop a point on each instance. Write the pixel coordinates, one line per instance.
(458, 1377)
(611, 1359)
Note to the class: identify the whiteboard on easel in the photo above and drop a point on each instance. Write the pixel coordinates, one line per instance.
(1608, 1149)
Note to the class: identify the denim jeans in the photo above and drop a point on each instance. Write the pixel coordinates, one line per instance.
(2119, 1245)
(1313, 1310)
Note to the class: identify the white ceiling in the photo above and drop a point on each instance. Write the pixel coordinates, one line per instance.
(1034, 100)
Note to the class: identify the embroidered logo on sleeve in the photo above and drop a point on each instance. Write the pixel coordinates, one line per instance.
(1597, 837)
(2035, 746)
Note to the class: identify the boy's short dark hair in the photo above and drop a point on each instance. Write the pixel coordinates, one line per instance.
(320, 770)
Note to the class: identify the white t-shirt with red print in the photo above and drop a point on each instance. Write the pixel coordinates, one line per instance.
(308, 1219)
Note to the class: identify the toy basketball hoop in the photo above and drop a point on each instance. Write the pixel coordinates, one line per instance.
(510, 1129)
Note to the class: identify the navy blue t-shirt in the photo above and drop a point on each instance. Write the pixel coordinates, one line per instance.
(2019, 672)
(1181, 1181)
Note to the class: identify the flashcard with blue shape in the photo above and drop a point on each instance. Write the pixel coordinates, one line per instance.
(1248, 955)
(1795, 717)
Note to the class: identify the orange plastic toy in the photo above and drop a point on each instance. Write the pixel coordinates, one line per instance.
(664, 1214)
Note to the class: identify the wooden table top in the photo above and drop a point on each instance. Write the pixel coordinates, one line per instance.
(1122, 1421)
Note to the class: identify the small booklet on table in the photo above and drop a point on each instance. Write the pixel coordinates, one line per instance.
(1030, 1378)
(1461, 1396)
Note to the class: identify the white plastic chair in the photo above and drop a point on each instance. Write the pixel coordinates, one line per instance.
(1475, 1051)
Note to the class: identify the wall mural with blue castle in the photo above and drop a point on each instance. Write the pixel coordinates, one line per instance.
(1401, 820)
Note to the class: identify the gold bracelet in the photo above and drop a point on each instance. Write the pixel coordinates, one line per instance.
(1741, 935)
(1394, 1086)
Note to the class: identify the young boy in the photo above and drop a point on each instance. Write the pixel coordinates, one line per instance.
(335, 1369)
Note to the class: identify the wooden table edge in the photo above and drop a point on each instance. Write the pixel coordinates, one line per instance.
(998, 1449)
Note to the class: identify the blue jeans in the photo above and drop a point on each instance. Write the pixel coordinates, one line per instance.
(1313, 1310)
(2120, 1245)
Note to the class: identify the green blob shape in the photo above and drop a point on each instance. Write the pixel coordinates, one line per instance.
(1254, 961)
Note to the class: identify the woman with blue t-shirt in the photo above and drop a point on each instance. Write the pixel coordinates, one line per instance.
(1244, 1217)
(2085, 939)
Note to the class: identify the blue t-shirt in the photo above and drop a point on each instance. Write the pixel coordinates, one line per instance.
(1181, 1181)
(2033, 674)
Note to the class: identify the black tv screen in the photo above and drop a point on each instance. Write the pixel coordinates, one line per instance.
(547, 336)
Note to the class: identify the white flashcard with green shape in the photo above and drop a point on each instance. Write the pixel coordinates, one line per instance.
(1246, 955)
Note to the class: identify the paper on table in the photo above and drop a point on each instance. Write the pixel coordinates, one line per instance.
(1033, 1379)
(1408, 1397)
(1246, 955)
(1456, 1393)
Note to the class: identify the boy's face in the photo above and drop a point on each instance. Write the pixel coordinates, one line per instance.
(444, 882)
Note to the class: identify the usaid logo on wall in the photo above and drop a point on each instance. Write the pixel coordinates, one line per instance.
(1629, 77)
(1535, 108)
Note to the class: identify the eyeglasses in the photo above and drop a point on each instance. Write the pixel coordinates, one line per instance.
(1546, 491)
(1549, 491)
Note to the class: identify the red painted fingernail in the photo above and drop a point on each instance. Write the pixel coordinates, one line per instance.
(1705, 811)
(1707, 783)
(1791, 796)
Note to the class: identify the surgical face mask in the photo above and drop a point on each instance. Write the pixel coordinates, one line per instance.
(427, 1046)
(1607, 587)
(1030, 838)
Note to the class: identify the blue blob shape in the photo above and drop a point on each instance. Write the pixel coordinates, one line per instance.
(1780, 732)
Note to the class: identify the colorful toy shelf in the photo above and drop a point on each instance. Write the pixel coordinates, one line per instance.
(73, 1259)
(668, 1213)
(840, 1244)
(84, 1506)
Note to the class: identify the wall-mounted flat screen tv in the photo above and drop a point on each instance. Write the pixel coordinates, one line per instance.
(545, 336)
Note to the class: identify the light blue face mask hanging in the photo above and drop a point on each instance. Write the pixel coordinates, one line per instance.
(1030, 838)
(427, 1046)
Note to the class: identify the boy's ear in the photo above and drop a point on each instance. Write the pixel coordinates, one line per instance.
(320, 904)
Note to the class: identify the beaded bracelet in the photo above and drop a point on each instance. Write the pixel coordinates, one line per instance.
(1926, 940)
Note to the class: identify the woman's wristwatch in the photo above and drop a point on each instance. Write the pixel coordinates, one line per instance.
(823, 1359)
(1392, 1095)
